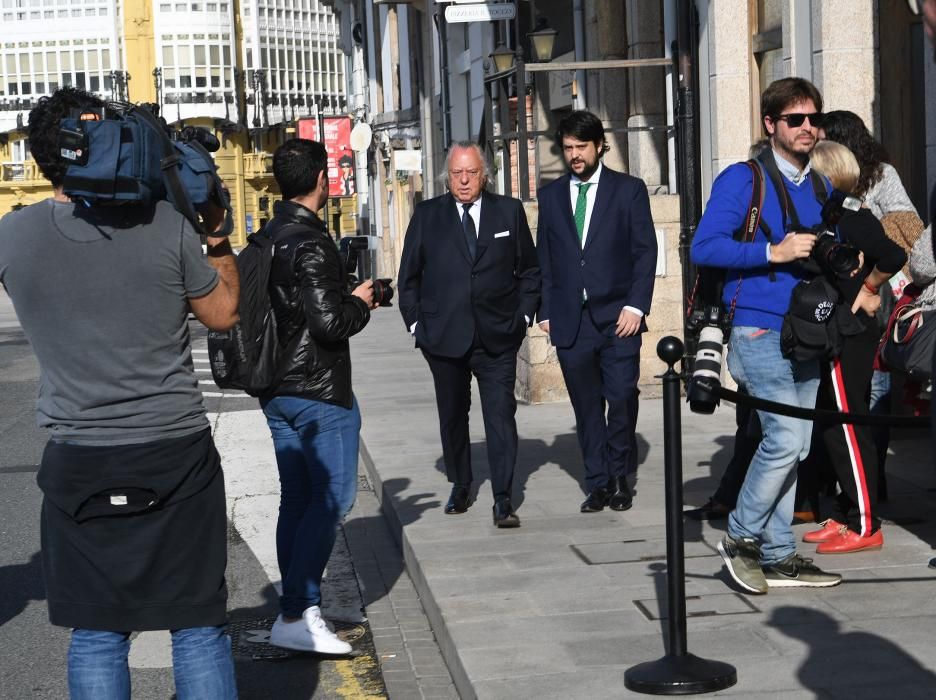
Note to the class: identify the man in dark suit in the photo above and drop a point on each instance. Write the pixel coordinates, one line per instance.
(597, 251)
(469, 287)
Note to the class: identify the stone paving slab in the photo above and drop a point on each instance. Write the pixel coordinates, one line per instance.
(524, 614)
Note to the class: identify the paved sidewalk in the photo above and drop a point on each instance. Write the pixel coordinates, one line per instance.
(8, 318)
(563, 606)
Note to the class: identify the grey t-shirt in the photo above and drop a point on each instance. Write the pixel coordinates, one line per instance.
(102, 295)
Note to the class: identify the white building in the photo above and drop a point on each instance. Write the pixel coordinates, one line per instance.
(184, 53)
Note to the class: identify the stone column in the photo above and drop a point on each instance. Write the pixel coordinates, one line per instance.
(729, 82)
(647, 90)
(845, 44)
(606, 37)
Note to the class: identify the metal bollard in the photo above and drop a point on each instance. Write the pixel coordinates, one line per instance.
(678, 672)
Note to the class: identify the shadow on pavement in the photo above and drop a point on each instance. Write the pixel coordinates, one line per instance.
(382, 534)
(837, 659)
(563, 451)
(293, 678)
(20, 583)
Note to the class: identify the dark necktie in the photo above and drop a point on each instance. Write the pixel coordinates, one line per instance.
(471, 233)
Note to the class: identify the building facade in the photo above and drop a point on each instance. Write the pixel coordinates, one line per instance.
(431, 81)
(245, 70)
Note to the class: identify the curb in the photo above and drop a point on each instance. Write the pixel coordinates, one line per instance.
(430, 606)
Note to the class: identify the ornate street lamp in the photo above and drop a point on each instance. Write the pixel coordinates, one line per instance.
(503, 58)
(543, 40)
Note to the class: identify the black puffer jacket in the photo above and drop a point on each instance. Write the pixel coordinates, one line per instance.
(315, 311)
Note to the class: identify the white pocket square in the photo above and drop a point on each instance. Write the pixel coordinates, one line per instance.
(501, 234)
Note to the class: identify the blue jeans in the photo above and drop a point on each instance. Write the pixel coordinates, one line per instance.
(201, 662)
(316, 447)
(765, 505)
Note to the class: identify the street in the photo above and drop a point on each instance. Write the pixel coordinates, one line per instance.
(35, 663)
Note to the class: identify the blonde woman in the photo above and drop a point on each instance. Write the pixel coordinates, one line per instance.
(854, 524)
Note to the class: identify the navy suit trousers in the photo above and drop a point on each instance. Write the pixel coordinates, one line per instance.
(601, 373)
(496, 375)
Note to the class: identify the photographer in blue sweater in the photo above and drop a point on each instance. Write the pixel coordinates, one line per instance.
(760, 275)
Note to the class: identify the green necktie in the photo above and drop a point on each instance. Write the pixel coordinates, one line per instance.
(581, 203)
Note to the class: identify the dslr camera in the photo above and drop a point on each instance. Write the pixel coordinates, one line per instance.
(711, 323)
(829, 256)
(349, 249)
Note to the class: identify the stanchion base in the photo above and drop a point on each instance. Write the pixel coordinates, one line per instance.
(680, 675)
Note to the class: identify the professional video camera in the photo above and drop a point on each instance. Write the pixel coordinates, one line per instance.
(828, 255)
(127, 154)
(349, 248)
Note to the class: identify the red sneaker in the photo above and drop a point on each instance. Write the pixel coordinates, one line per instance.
(829, 530)
(851, 541)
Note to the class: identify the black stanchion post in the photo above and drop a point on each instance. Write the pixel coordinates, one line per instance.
(678, 672)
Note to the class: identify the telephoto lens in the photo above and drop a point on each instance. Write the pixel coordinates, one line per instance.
(707, 367)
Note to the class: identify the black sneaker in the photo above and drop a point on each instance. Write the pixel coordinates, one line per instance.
(798, 571)
(742, 557)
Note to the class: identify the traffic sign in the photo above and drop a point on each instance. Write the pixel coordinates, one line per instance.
(480, 12)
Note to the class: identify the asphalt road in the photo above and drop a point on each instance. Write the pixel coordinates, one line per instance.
(35, 652)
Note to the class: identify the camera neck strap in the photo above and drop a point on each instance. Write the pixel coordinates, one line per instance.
(791, 221)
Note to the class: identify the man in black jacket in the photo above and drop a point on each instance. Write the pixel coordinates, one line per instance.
(312, 412)
(469, 288)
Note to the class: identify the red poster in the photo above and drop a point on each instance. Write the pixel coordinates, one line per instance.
(337, 139)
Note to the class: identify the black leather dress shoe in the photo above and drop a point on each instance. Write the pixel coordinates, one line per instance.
(504, 515)
(596, 501)
(622, 498)
(459, 501)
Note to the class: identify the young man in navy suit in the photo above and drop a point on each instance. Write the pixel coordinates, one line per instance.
(469, 288)
(597, 250)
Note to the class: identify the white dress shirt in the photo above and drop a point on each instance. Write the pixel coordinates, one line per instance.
(474, 211)
(590, 195)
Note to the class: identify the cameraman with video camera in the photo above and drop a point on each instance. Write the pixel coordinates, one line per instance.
(134, 522)
(846, 377)
(311, 410)
(759, 548)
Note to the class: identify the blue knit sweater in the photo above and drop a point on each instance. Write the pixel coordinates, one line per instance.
(762, 301)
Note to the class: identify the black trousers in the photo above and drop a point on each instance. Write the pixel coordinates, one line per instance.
(601, 373)
(845, 386)
(496, 375)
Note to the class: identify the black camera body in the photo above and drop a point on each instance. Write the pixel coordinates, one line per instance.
(349, 249)
(829, 256)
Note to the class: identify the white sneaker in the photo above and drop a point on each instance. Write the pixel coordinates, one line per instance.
(308, 634)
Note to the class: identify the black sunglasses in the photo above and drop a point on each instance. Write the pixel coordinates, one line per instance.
(796, 120)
